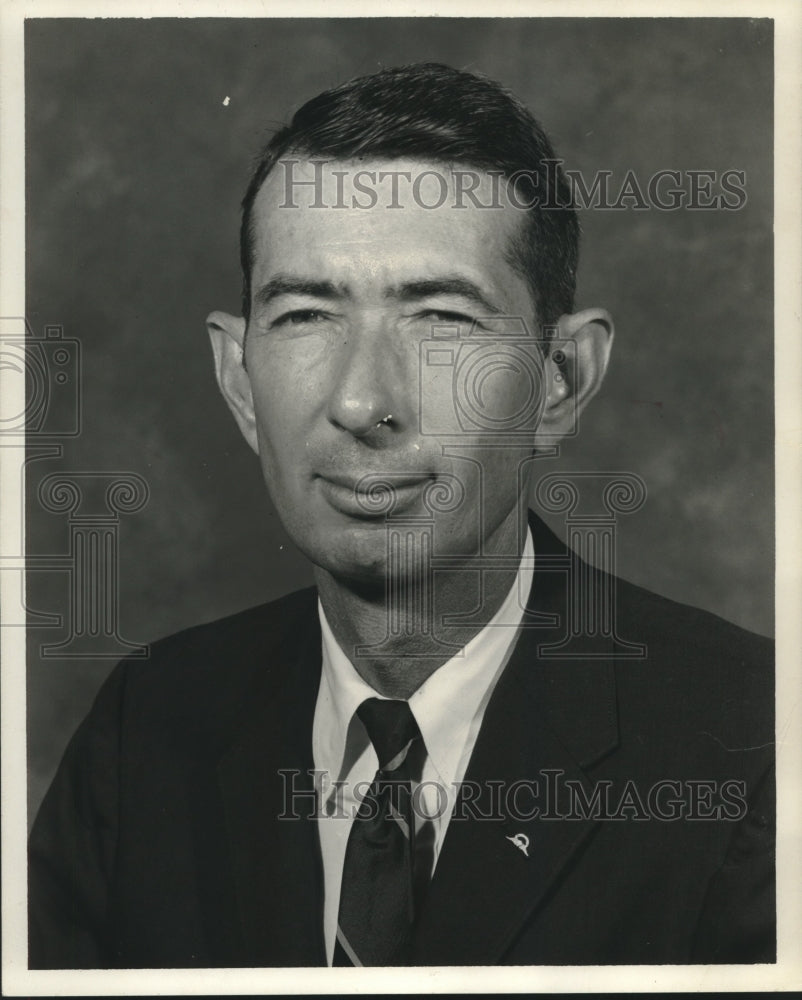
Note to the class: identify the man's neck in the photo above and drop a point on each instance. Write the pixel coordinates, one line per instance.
(361, 616)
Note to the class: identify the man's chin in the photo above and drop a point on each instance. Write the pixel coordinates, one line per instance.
(354, 552)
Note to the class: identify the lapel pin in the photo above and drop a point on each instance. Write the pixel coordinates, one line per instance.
(521, 841)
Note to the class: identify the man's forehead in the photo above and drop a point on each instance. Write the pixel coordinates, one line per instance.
(379, 223)
(375, 224)
(300, 181)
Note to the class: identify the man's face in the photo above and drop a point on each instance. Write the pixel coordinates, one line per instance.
(345, 302)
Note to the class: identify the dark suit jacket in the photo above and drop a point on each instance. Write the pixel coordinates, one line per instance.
(159, 843)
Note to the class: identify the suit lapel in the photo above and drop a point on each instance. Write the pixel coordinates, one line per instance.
(267, 795)
(546, 722)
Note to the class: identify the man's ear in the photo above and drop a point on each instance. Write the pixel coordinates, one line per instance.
(575, 368)
(227, 334)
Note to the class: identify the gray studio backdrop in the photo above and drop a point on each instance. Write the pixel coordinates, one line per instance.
(140, 135)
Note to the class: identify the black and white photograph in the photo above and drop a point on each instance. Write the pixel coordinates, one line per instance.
(400, 522)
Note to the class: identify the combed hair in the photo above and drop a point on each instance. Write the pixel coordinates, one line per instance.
(434, 113)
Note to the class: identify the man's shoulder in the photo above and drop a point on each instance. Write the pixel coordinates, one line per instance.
(689, 627)
(688, 633)
(258, 630)
(210, 668)
(672, 632)
(696, 667)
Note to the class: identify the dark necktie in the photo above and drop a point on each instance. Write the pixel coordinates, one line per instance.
(377, 896)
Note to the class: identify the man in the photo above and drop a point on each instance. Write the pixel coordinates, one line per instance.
(465, 746)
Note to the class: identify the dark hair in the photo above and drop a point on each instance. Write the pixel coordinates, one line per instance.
(440, 114)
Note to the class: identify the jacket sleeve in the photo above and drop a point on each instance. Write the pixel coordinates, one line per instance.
(737, 924)
(73, 842)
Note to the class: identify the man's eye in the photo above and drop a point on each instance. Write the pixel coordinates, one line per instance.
(298, 317)
(447, 316)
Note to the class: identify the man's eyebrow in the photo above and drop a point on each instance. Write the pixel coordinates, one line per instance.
(452, 284)
(409, 291)
(285, 284)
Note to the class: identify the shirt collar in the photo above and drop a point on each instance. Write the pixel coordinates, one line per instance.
(445, 705)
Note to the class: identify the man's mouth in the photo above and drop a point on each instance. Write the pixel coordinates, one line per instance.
(374, 495)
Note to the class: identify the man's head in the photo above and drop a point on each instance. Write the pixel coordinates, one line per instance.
(392, 321)
(436, 114)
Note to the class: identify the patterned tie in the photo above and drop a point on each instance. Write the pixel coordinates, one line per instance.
(377, 899)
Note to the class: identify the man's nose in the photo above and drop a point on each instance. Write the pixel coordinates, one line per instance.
(371, 389)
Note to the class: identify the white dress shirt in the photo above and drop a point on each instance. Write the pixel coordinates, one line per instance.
(448, 707)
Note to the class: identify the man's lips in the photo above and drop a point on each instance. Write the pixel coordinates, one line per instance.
(372, 494)
(363, 481)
